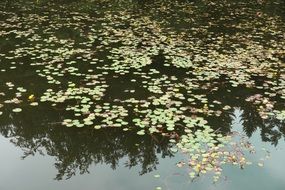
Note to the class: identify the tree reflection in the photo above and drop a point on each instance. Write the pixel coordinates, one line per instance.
(271, 129)
(76, 149)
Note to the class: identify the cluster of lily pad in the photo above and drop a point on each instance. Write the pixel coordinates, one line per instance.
(264, 105)
(209, 150)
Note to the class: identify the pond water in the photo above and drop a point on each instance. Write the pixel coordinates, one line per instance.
(142, 95)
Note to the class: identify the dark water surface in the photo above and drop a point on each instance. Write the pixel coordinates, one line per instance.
(105, 90)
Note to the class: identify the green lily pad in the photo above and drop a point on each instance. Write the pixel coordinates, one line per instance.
(16, 110)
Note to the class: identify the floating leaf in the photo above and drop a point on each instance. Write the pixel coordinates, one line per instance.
(16, 110)
(97, 127)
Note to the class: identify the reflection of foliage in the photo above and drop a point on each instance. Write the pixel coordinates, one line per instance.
(77, 149)
(272, 130)
(252, 116)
